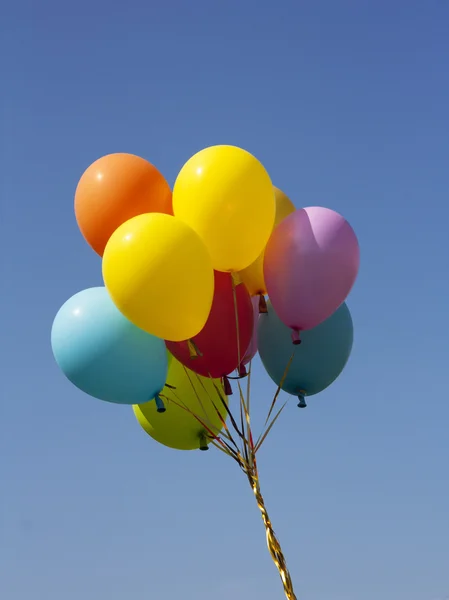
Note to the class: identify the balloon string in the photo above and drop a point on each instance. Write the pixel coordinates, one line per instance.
(244, 453)
(235, 283)
(249, 466)
(273, 544)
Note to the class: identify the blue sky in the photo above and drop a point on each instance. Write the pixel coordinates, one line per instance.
(346, 105)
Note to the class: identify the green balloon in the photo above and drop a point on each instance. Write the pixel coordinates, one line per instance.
(184, 393)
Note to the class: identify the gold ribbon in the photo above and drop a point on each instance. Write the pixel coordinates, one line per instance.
(240, 446)
(272, 542)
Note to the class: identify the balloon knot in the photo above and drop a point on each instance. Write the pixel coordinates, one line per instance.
(159, 404)
(263, 309)
(302, 401)
(193, 349)
(242, 370)
(235, 279)
(227, 386)
(296, 340)
(203, 443)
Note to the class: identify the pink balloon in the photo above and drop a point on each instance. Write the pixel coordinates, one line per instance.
(252, 348)
(311, 263)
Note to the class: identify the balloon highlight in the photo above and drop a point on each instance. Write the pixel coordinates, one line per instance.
(105, 355)
(114, 189)
(225, 194)
(159, 275)
(311, 263)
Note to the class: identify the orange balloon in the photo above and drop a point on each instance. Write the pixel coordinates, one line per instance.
(114, 189)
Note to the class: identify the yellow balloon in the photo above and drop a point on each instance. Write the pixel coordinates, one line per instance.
(176, 427)
(253, 276)
(225, 194)
(159, 274)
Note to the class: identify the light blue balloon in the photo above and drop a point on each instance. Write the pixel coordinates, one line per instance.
(318, 359)
(104, 354)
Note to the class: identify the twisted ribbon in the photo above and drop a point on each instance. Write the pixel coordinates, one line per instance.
(273, 544)
(237, 441)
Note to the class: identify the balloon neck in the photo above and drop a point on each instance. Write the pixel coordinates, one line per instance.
(227, 386)
(296, 340)
(235, 279)
(242, 370)
(160, 406)
(203, 443)
(302, 401)
(193, 349)
(263, 309)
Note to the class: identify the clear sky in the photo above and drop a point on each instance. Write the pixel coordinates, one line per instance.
(346, 104)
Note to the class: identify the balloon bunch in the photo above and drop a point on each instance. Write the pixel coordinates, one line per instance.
(183, 310)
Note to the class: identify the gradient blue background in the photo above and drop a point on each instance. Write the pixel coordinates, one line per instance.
(346, 103)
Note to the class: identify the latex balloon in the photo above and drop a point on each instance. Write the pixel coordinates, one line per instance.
(311, 263)
(105, 355)
(318, 360)
(159, 275)
(114, 189)
(253, 276)
(226, 195)
(177, 427)
(252, 348)
(222, 342)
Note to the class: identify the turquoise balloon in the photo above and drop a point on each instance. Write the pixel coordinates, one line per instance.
(104, 354)
(318, 360)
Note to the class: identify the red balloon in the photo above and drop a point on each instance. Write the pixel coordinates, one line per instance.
(217, 345)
